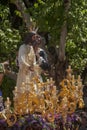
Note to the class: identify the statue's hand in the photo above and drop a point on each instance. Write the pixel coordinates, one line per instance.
(31, 68)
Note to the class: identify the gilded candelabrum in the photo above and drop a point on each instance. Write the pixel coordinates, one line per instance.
(37, 97)
(71, 94)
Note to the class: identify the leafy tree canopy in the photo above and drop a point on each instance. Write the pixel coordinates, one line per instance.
(50, 16)
(9, 37)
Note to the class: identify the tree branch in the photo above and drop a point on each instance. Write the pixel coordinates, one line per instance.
(22, 8)
(63, 34)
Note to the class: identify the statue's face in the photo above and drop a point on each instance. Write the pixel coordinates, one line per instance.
(36, 39)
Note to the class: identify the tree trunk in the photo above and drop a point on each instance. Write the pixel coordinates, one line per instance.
(62, 44)
(26, 17)
(62, 62)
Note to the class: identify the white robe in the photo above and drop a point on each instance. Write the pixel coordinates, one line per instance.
(26, 59)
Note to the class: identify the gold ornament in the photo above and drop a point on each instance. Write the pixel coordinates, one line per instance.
(43, 97)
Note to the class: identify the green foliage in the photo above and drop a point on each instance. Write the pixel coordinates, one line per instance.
(7, 88)
(9, 37)
(9, 42)
(77, 21)
(76, 39)
(50, 16)
(77, 55)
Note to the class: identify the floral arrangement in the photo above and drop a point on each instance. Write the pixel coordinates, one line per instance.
(36, 122)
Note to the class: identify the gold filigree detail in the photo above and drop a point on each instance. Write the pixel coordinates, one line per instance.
(43, 97)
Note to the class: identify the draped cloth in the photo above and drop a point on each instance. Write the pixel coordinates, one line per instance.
(42, 59)
(26, 59)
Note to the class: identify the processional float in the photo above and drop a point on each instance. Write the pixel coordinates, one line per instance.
(43, 98)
